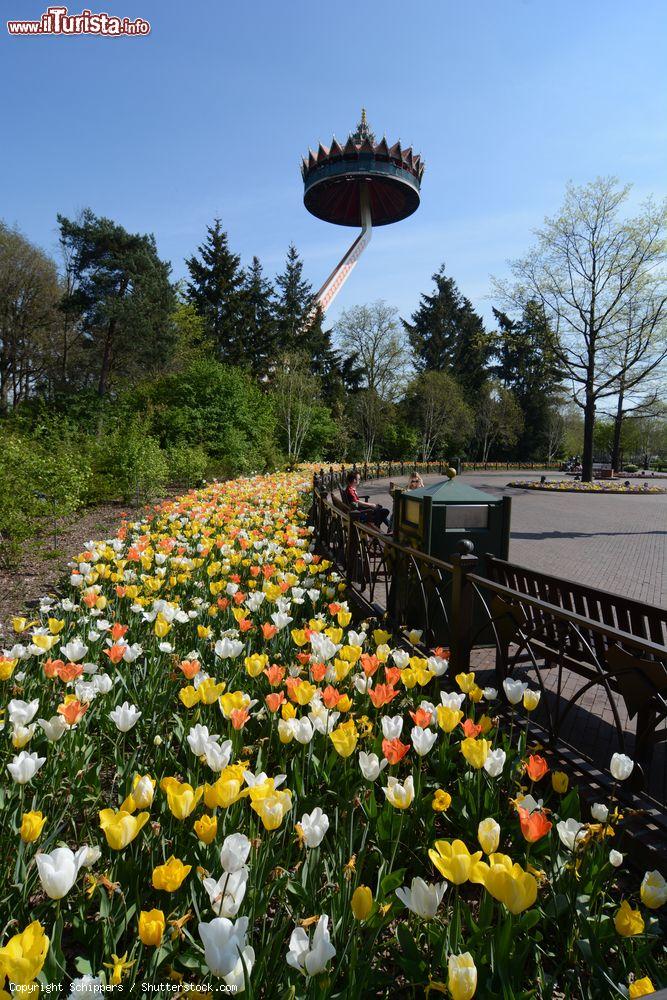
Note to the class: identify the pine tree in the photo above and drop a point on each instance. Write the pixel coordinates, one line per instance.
(258, 320)
(527, 364)
(447, 335)
(215, 289)
(294, 305)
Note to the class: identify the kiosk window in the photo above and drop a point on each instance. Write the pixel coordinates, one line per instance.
(467, 516)
(411, 509)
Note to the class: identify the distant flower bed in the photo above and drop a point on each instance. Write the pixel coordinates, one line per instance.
(215, 781)
(571, 486)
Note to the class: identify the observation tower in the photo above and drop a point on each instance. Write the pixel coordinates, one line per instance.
(362, 183)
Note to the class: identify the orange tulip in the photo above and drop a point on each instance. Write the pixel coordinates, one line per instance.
(239, 717)
(275, 674)
(536, 767)
(51, 667)
(245, 625)
(72, 712)
(382, 694)
(269, 630)
(421, 718)
(369, 663)
(471, 729)
(534, 825)
(69, 671)
(275, 700)
(330, 696)
(392, 675)
(394, 750)
(115, 652)
(190, 668)
(118, 631)
(318, 670)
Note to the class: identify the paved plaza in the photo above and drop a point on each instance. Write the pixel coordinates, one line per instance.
(616, 543)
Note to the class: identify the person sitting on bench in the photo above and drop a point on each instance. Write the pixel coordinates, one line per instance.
(371, 513)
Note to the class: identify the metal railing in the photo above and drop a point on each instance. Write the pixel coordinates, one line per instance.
(603, 686)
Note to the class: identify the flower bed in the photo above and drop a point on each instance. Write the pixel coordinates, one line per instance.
(570, 486)
(212, 778)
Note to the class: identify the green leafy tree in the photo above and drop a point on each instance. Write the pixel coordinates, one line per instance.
(122, 295)
(440, 413)
(498, 419)
(216, 290)
(447, 335)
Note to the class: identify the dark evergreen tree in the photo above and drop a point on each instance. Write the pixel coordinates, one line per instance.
(295, 302)
(527, 364)
(447, 335)
(121, 292)
(258, 320)
(215, 289)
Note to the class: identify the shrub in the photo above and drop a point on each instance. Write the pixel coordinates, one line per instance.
(129, 464)
(187, 464)
(37, 482)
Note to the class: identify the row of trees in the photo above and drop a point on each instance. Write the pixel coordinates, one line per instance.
(579, 323)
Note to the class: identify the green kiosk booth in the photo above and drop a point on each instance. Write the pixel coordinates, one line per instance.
(442, 520)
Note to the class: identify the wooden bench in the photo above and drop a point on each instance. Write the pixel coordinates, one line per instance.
(602, 657)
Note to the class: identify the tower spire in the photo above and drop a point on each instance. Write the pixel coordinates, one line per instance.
(362, 131)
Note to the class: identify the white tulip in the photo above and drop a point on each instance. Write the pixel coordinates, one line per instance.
(362, 683)
(495, 762)
(199, 738)
(85, 986)
(303, 730)
(307, 958)
(371, 766)
(314, 826)
(281, 620)
(621, 766)
(74, 650)
(22, 735)
(422, 740)
(53, 727)
(490, 694)
(226, 895)
(228, 649)
(392, 726)
(125, 716)
(569, 832)
(600, 812)
(401, 658)
(21, 713)
(218, 757)
(653, 890)
(514, 690)
(437, 665)
(235, 850)
(422, 897)
(452, 699)
(59, 869)
(223, 939)
(24, 767)
(615, 858)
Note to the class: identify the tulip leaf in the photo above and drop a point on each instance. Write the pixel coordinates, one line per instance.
(392, 881)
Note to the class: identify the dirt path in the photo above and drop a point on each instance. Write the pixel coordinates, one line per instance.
(42, 565)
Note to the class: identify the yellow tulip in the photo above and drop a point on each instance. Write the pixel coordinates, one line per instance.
(32, 824)
(653, 890)
(344, 618)
(344, 738)
(362, 902)
(506, 881)
(232, 701)
(448, 718)
(453, 860)
(22, 958)
(304, 691)
(442, 800)
(488, 835)
(272, 809)
(345, 703)
(170, 876)
(206, 829)
(560, 782)
(466, 682)
(181, 797)
(209, 691)
(120, 828)
(380, 637)
(475, 751)
(203, 631)
(476, 693)
(6, 667)
(641, 988)
(45, 642)
(462, 979)
(56, 625)
(256, 663)
(299, 636)
(189, 696)
(342, 668)
(409, 677)
(223, 793)
(151, 927)
(531, 700)
(288, 711)
(628, 922)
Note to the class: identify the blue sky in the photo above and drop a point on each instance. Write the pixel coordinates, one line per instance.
(210, 114)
